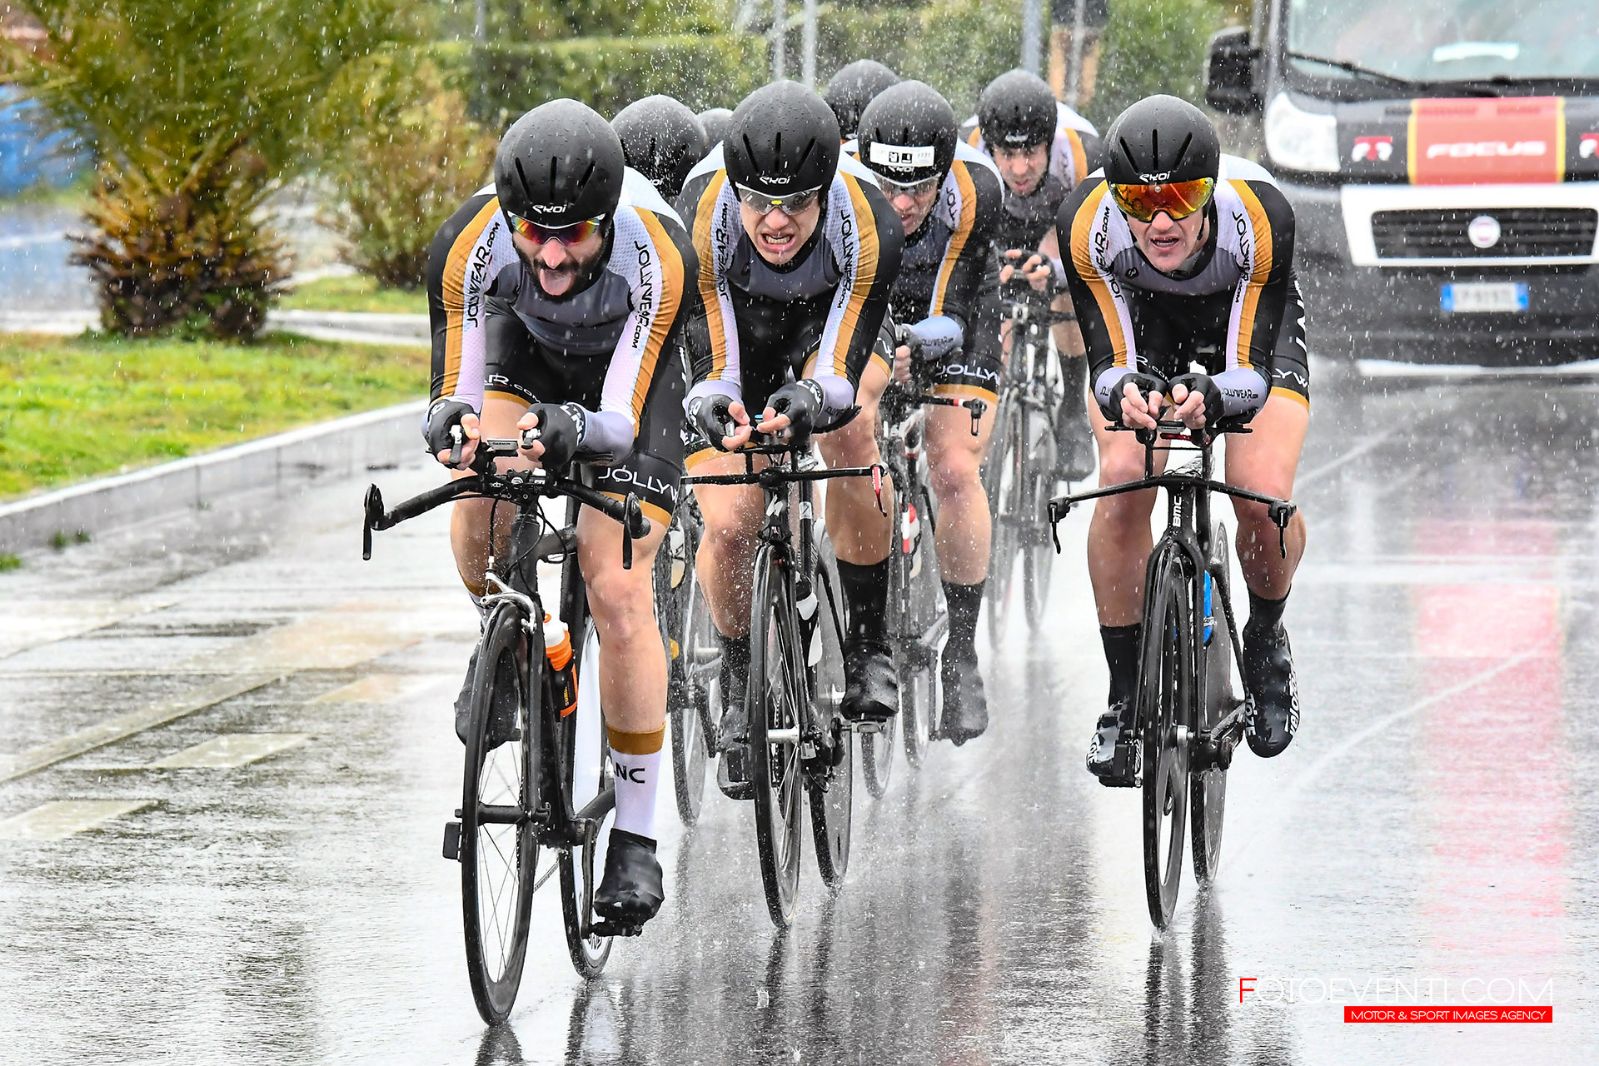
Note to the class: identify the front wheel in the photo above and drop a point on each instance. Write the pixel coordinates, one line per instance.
(1208, 787)
(690, 644)
(773, 702)
(497, 851)
(1002, 483)
(585, 761)
(1038, 550)
(1166, 721)
(830, 781)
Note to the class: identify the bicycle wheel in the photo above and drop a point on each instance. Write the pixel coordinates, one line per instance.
(497, 851)
(1002, 482)
(877, 749)
(831, 783)
(1038, 554)
(1165, 693)
(773, 701)
(687, 636)
(1207, 796)
(585, 762)
(927, 621)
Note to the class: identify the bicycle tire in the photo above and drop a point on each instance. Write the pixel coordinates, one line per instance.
(1038, 555)
(496, 949)
(1165, 712)
(1003, 474)
(581, 735)
(831, 787)
(684, 689)
(772, 701)
(919, 685)
(1207, 801)
(877, 749)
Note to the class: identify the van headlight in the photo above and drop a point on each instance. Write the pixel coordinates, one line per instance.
(1300, 140)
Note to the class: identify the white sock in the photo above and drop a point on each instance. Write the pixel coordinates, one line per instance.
(635, 787)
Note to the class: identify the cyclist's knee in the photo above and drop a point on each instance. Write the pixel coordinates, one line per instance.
(622, 601)
(954, 472)
(1118, 466)
(854, 444)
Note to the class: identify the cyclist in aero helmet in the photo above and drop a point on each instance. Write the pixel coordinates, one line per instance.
(554, 296)
(661, 139)
(798, 251)
(715, 120)
(1180, 254)
(947, 195)
(852, 88)
(1043, 149)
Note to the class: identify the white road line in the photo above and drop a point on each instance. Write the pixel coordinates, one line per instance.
(381, 688)
(230, 751)
(60, 819)
(30, 623)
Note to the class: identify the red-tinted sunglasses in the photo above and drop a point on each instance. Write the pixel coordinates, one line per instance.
(1179, 199)
(569, 234)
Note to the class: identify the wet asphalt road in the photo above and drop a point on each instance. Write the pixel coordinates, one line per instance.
(1432, 837)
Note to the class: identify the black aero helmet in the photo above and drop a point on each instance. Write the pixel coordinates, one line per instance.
(782, 139)
(908, 133)
(1161, 140)
(852, 88)
(1016, 110)
(662, 140)
(559, 164)
(715, 120)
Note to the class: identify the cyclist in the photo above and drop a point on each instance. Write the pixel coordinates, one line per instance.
(554, 294)
(661, 139)
(948, 199)
(797, 252)
(851, 88)
(1043, 150)
(1177, 251)
(715, 119)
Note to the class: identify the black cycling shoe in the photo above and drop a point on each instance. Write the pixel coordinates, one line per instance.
(1268, 670)
(965, 703)
(630, 893)
(1075, 454)
(732, 740)
(1110, 758)
(871, 685)
(502, 724)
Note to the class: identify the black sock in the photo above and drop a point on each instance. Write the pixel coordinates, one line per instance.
(866, 596)
(1121, 655)
(964, 602)
(1264, 612)
(736, 654)
(1074, 376)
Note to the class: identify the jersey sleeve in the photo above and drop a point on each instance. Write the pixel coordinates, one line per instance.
(711, 215)
(1266, 252)
(466, 257)
(1097, 297)
(655, 256)
(967, 263)
(867, 243)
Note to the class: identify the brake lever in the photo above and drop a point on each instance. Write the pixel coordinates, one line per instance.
(1281, 514)
(1055, 515)
(630, 510)
(877, 488)
(373, 511)
(977, 408)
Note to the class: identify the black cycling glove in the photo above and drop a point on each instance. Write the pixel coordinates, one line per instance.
(1202, 384)
(442, 414)
(560, 430)
(802, 402)
(709, 416)
(1147, 383)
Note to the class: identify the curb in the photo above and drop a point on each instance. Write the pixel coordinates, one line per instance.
(359, 327)
(338, 448)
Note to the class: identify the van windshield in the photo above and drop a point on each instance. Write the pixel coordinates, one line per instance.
(1446, 40)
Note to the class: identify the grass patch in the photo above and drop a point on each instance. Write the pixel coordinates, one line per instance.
(9, 562)
(74, 195)
(354, 292)
(74, 408)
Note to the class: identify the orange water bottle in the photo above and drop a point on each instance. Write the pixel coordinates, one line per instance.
(563, 677)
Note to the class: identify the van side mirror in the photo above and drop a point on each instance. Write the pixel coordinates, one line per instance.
(1230, 72)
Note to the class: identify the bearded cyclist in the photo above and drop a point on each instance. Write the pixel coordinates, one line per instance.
(1179, 252)
(661, 139)
(1043, 150)
(797, 251)
(554, 295)
(851, 88)
(948, 199)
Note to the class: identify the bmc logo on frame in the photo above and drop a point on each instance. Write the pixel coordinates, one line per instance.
(1378, 149)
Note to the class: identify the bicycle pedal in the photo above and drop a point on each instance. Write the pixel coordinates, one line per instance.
(1124, 768)
(609, 927)
(452, 841)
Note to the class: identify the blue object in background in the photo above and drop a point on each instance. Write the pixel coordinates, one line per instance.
(29, 155)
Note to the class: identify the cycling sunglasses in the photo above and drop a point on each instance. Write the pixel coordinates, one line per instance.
(788, 203)
(1179, 199)
(916, 189)
(569, 234)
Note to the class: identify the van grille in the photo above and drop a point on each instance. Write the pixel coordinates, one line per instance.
(1525, 233)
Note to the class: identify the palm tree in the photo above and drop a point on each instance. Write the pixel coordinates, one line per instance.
(198, 111)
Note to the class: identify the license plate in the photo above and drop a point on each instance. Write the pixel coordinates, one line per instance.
(1475, 296)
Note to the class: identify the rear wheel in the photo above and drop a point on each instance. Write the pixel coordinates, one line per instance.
(498, 854)
(1166, 721)
(831, 782)
(1208, 787)
(927, 621)
(773, 705)
(585, 760)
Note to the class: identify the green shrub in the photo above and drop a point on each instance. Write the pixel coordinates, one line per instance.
(1152, 46)
(963, 46)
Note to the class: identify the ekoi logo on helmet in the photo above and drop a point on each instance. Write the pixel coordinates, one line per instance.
(549, 209)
